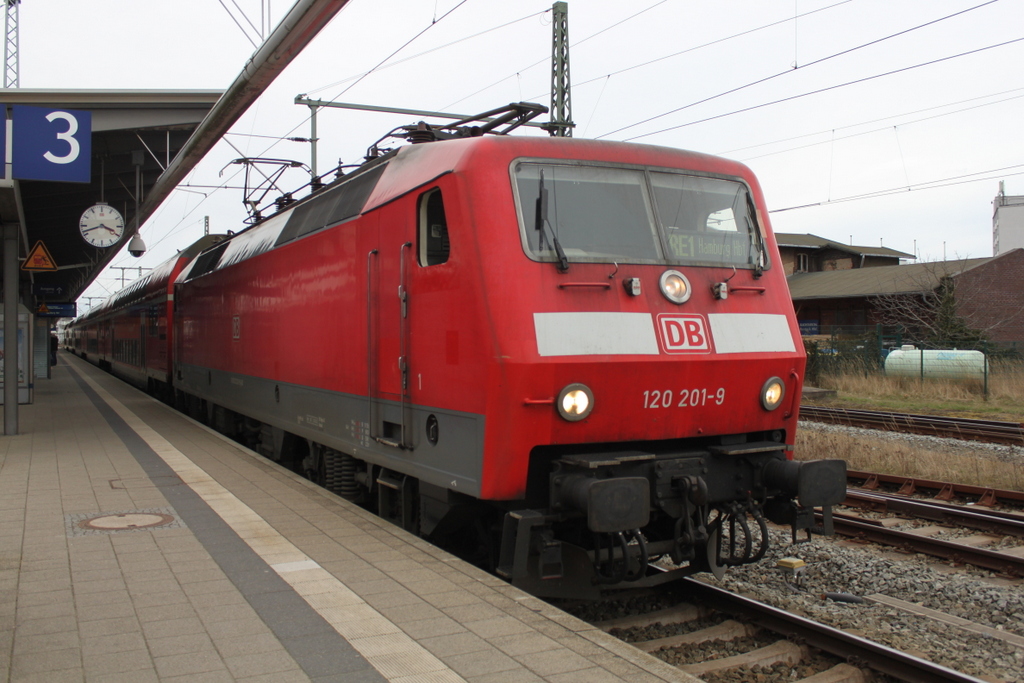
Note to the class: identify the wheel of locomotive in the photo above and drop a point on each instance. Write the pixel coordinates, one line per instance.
(313, 466)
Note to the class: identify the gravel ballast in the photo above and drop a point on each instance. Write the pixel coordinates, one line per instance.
(838, 566)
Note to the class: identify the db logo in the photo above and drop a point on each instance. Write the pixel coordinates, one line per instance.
(684, 334)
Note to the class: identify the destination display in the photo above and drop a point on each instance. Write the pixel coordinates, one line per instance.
(52, 309)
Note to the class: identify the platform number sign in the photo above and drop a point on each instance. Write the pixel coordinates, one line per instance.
(51, 144)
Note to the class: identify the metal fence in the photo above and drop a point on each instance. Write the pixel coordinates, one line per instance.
(877, 350)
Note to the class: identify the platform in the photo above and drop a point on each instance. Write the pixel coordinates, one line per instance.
(138, 545)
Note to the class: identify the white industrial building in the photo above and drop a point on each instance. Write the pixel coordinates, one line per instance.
(1007, 222)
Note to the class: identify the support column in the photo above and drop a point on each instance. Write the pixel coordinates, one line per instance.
(10, 261)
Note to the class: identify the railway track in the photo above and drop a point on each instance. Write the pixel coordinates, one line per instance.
(941, 490)
(988, 431)
(993, 524)
(787, 647)
(792, 639)
(876, 532)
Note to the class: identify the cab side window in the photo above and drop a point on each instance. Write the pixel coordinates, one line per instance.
(433, 229)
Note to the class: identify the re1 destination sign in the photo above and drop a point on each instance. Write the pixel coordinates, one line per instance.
(49, 144)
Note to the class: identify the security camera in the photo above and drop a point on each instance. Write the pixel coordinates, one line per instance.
(136, 247)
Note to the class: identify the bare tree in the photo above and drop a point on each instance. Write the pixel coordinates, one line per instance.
(952, 301)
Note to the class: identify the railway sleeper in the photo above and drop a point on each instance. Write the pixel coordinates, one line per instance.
(840, 673)
(730, 629)
(781, 652)
(670, 615)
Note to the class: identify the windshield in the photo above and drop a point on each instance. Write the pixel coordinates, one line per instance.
(596, 213)
(705, 220)
(601, 214)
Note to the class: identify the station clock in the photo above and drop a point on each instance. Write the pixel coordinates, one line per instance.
(101, 225)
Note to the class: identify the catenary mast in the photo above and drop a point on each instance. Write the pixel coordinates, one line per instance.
(561, 105)
(11, 44)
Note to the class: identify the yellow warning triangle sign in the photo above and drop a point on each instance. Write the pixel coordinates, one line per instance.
(39, 259)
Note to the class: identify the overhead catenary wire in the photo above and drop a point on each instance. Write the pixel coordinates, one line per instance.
(927, 185)
(825, 89)
(869, 122)
(173, 229)
(711, 43)
(239, 25)
(434, 22)
(596, 104)
(258, 31)
(793, 70)
(387, 64)
(604, 79)
(426, 52)
(278, 140)
(402, 47)
(307, 118)
(545, 59)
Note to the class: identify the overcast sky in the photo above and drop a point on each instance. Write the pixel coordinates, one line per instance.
(877, 121)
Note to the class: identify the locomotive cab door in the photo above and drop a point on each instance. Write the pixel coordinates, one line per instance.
(413, 237)
(388, 330)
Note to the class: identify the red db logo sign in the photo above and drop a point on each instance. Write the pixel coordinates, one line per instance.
(684, 334)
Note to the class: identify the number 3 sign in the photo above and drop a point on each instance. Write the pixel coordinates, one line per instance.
(51, 144)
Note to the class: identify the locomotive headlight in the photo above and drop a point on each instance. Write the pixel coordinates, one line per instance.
(675, 286)
(575, 402)
(772, 392)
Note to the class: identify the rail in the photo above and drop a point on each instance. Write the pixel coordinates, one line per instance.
(873, 531)
(988, 431)
(901, 665)
(944, 490)
(979, 519)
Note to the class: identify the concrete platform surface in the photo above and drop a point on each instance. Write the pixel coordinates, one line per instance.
(138, 545)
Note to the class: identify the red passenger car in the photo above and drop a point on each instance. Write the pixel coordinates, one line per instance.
(130, 334)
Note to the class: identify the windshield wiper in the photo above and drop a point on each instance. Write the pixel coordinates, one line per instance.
(762, 249)
(541, 218)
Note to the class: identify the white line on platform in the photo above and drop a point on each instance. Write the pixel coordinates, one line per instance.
(400, 659)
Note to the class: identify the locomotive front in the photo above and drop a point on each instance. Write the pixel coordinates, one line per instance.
(650, 370)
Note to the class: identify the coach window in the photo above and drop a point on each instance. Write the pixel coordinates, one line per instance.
(433, 229)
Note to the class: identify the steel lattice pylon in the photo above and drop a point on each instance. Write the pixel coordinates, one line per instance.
(11, 45)
(561, 106)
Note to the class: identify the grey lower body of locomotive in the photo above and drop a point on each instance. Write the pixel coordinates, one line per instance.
(386, 433)
(429, 480)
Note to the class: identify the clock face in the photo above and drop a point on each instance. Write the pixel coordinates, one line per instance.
(101, 225)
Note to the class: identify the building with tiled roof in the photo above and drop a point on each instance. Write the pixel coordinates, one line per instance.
(812, 254)
(989, 293)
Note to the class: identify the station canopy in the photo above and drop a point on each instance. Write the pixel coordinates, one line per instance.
(135, 136)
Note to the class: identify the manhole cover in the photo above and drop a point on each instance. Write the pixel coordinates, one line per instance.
(128, 520)
(121, 521)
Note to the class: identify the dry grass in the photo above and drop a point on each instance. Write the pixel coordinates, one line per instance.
(995, 468)
(1005, 400)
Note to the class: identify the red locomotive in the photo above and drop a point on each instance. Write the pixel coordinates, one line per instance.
(571, 357)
